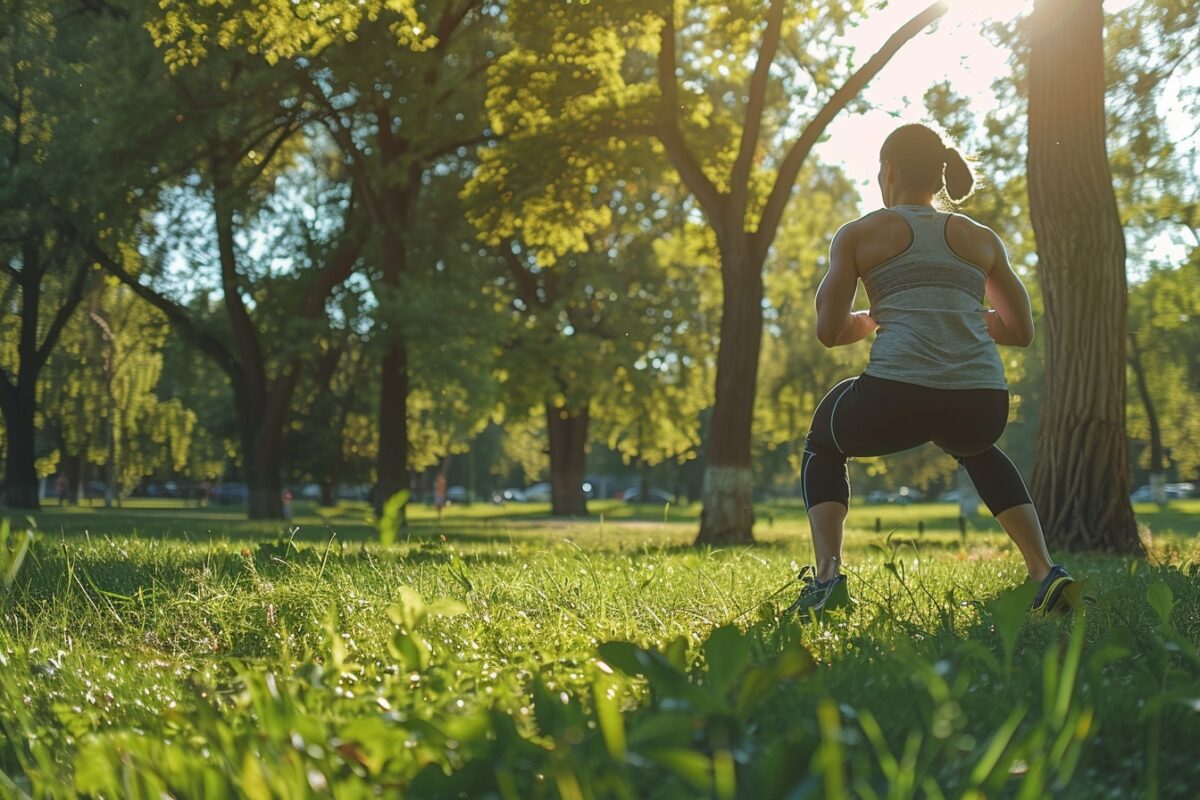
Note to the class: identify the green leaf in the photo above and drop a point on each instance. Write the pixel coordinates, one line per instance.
(1008, 613)
(726, 652)
(1161, 600)
(606, 698)
(410, 609)
(392, 518)
(407, 649)
(987, 762)
(662, 729)
(622, 656)
(756, 687)
(547, 710)
(693, 767)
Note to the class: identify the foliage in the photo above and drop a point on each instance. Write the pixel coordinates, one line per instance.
(101, 390)
(289, 668)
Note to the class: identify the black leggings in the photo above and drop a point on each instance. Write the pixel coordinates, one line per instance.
(868, 416)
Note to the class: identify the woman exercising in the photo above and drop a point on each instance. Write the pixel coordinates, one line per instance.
(935, 374)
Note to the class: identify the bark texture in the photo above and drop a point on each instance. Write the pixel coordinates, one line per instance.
(568, 460)
(728, 515)
(20, 477)
(1081, 476)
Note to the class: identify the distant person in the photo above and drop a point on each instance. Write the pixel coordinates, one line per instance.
(60, 488)
(439, 493)
(935, 374)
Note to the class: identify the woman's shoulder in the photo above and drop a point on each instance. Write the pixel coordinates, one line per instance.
(972, 240)
(874, 222)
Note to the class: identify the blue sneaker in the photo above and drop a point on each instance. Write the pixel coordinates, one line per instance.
(817, 596)
(1051, 599)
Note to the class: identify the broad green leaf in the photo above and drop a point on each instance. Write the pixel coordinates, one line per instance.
(726, 653)
(1161, 600)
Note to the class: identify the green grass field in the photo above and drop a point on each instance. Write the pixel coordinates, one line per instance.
(158, 651)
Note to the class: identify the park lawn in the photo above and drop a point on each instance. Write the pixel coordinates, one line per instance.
(149, 652)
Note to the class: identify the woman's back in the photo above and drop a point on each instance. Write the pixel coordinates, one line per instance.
(925, 273)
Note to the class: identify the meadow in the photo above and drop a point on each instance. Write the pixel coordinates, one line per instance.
(154, 651)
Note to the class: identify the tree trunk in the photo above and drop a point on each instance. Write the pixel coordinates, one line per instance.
(1081, 475)
(261, 432)
(328, 494)
(392, 460)
(72, 468)
(1158, 478)
(728, 495)
(20, 475)
(568, 460)
(263, 463)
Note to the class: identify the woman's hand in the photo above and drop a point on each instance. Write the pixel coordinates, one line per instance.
(859, 325)
(1001, 333)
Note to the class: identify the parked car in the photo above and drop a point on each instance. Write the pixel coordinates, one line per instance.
(352, 492)
(657, 497)
(509, 496)
(1172, 491)
(1180, 491)
(1143, 494)
(230, 493)
(538, 493)
(878, 496)
(456, 494)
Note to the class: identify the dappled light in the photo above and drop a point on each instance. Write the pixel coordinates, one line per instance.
(578, 399)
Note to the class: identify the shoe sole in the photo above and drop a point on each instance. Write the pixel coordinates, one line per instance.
(1049, 605)
(822, 607)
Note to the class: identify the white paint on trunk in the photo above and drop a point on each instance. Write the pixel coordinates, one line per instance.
(728, 514)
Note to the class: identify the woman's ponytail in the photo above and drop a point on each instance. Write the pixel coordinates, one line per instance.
(959, 180)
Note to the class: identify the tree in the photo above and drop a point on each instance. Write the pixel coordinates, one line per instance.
(56, 108)
(1081, 476)
(1164, 358)
(100, 392)
(332, 400)
(400, 86)
(263, 346)
(695, 84)
(610, 343)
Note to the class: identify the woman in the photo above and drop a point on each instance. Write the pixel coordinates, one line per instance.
(935, 374)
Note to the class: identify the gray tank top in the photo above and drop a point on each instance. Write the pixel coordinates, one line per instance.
(929, 306)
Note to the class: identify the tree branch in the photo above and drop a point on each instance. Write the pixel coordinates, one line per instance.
(346, 144)
(285, 132)
(527, 284)
(790, 168)
(740, 179)
(449, 22)
(450, 147)
(670, 133)
(175, 313)
(338, 265)
(73, 298)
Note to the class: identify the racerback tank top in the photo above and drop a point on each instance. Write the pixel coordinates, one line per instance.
(929, 306)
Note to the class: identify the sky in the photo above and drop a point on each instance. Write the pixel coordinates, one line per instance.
(956, 50)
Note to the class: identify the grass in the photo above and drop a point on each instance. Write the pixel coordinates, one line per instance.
(147, 652)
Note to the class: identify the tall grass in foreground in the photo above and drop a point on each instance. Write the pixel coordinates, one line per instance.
(151, 668)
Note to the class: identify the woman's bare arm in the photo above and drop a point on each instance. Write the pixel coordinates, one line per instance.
(1010, 321)
(836, 324)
